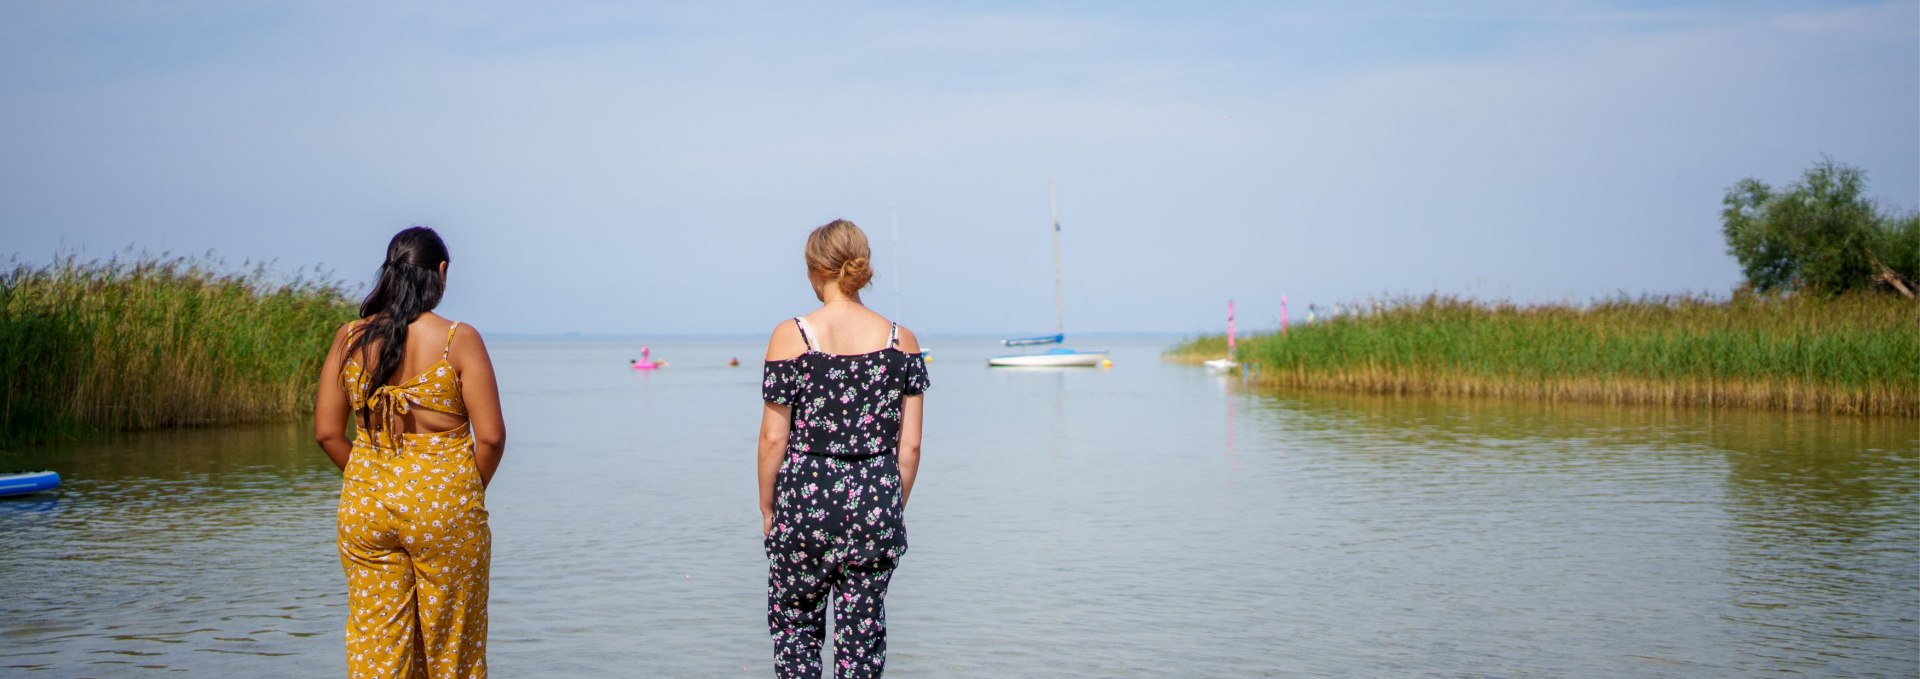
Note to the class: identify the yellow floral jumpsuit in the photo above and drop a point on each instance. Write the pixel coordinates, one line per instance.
(413, 535)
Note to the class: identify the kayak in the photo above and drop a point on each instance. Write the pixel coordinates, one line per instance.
(21, 483)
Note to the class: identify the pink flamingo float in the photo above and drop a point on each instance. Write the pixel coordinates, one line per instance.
(646, 361)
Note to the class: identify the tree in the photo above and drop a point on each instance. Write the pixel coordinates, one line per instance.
(1821, 234)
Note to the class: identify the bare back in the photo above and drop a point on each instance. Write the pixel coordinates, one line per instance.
(844, 329)
(427, 362)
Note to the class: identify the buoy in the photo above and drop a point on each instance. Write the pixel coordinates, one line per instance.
(1106, 363)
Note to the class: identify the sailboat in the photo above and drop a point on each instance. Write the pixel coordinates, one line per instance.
(1057, 357)
(1228, 362)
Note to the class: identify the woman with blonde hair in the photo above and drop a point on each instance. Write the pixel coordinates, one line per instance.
(413, 532)
(839, 448)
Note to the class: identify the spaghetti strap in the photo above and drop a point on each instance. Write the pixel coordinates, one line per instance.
(454, 328)
(893, 337)
(805, 336)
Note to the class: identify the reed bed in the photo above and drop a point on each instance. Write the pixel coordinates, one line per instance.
(1850, 354)
(91, 346)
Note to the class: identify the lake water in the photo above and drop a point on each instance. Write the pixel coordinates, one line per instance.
(1146, 520)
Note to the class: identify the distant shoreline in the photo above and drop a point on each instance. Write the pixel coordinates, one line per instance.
(1857, 354)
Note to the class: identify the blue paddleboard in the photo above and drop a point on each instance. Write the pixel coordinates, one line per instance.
(21, 483)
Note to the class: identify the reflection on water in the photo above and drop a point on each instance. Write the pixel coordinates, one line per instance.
(1717, 543)
(169, 551)
(1149, 520)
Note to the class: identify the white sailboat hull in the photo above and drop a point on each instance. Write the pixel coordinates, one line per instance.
(1221, 364)
(1062, 360)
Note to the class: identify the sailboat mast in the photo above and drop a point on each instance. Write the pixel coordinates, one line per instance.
(1059, 309)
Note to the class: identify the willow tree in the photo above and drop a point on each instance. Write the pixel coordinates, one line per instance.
(1820, 234)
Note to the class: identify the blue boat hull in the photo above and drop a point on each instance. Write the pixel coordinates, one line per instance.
(29, 482)
(1059, 357)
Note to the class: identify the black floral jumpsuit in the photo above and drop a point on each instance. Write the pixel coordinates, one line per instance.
(837, 527)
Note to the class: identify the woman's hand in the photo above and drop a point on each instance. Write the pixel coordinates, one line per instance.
(766, 523)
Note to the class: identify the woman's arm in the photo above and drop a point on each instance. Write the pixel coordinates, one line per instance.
(909, 444)
(776, 421)
(910, 410)
(330, 408)
(482, 394)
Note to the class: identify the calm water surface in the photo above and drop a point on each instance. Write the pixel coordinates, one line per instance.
(1148, 520)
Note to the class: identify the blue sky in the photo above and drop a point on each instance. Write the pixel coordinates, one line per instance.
(636, 169)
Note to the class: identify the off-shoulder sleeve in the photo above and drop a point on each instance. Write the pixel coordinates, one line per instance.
(780, 382)
(917, 381)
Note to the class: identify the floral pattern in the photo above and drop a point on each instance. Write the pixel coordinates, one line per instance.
(416, 548)
(838, 529)
(413, 535)
(436, 388)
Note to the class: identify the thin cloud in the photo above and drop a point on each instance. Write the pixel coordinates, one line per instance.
(665, 160)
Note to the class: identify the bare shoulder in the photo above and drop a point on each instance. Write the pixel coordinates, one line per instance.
(432, 323)
(337, 352)
(467, 345)
(341, 335)
(909, 342)
(785, 343)
(467, 335)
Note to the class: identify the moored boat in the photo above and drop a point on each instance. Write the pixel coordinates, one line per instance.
(1057, 357)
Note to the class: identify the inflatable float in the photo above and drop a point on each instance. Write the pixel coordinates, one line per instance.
(646, 362)
(22, 483)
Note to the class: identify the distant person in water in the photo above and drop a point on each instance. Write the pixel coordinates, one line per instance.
(839, 447)
(413, 528)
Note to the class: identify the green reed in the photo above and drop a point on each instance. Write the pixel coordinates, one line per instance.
(157, 342)
(1853, 353)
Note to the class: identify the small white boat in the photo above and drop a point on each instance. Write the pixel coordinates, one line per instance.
(1227, 363)
(1059, 357)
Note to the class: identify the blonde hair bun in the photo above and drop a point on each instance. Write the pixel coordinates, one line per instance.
(838, 251)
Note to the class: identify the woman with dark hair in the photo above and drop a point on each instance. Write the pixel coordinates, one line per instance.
(413, 533)
(839, 449)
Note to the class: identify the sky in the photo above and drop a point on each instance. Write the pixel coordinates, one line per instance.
(636, 169)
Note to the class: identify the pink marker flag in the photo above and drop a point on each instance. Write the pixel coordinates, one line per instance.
(1229, 328)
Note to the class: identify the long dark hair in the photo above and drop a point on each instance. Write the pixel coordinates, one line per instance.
(409, 284)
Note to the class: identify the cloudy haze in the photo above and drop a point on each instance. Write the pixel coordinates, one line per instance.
(634, 169)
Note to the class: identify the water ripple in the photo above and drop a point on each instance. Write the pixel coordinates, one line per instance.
(1150, 520)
